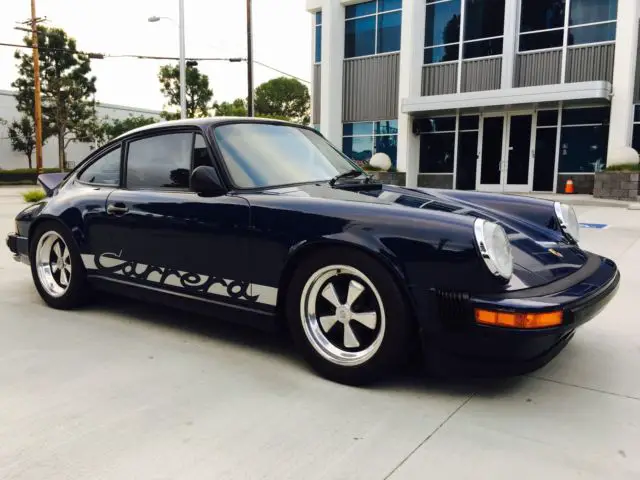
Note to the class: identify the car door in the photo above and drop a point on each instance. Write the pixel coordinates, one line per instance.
(160, 235)
(84, 211)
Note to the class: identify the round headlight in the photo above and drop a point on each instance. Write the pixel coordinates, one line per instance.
(568, 220)
(494, 247)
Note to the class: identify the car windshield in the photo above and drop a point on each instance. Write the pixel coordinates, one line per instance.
(265, 155)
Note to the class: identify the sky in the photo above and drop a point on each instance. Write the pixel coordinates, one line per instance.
(213, 28)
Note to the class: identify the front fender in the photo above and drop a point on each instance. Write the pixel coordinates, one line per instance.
(427, 249)
(515, 208)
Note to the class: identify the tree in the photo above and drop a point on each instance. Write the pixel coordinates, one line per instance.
(198, 92)
(237, 108)
(68, 104)
(22, 136)
(283, 98)
(110, 129)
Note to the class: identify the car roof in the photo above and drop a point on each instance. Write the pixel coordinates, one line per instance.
(202, 122)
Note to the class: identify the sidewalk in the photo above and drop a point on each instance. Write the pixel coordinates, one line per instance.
(584, 200)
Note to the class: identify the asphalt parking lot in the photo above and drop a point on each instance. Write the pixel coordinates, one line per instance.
(123, 390)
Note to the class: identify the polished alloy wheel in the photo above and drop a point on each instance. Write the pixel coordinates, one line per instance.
(53, 264)
(343, 315)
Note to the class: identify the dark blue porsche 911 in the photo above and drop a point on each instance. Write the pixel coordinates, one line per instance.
(266, 222)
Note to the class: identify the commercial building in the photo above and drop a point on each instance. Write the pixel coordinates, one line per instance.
(498, 95)
(9, 159)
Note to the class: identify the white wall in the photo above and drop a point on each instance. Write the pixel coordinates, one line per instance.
(75, 151)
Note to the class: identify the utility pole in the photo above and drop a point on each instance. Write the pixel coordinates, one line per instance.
(250, 105)
(183, 68)
(36, 87)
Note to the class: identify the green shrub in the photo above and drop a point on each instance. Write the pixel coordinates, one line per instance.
(624, 167)
(34, 195)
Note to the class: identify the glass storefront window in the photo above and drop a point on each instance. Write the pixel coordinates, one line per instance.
(437, 152)
(481, 35)
(583, 140)
(583, 149)
(541, 40)
(544, 22)
(585, 116)
(592, 11)
(372, 28)
(362, 139)
(437, 147)
(389, 32)
(541, 15)
(359, 149)
(604, 32)
(547, 118)
(360, 37)
(442, 31)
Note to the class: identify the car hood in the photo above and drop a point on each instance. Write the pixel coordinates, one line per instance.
(541, 255)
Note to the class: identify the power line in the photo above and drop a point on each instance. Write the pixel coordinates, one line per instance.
(101, 56)
(280, 71)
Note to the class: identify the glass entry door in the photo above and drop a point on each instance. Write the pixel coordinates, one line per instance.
(505, 153)
(518, 155)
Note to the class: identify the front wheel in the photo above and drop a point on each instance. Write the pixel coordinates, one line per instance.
(57, 268)
(347, 316)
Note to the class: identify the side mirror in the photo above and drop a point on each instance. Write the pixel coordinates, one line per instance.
(205, 182)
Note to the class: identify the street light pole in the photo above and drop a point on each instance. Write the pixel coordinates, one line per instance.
(250, 104)
(183, 68)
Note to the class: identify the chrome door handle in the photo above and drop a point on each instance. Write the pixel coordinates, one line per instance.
(116, 208)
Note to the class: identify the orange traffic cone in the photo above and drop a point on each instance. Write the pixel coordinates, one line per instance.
(568, 187)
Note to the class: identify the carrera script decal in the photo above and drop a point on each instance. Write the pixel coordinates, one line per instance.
(194, 283)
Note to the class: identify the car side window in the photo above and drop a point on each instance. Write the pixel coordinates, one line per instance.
(160, 162)
(200, 153)
(104, 171)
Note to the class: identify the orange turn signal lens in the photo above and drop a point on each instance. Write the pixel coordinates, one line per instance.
(518, 320)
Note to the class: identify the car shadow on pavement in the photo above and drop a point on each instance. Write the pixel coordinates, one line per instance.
(412, 378)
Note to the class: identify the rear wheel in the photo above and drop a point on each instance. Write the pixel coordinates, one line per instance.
(347, 316)
(57, 268)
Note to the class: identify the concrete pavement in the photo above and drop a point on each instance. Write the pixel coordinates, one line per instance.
(123, 390)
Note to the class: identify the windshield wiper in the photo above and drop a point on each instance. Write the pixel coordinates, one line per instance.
(348, 174)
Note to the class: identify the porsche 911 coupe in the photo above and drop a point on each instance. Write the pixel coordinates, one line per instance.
(266, 222)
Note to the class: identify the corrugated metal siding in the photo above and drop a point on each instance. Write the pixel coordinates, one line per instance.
(439, 78)
(370, 88)
(317, 92)
(538, 68)
(592, 62)
(483, 74)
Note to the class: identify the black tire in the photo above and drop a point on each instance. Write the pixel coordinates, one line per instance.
(395, 337)
(77, 292)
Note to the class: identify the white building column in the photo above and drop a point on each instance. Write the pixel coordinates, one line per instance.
(331, 76)
(624, 69)
(510, 42)
(411, 60)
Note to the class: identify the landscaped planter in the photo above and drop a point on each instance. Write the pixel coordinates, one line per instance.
(390, 178)
(444, 180)
(617, 185)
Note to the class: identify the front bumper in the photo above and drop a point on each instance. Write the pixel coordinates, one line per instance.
(19, 246)
(459, 346)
